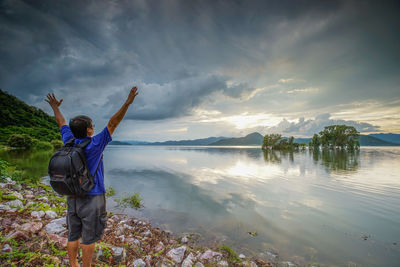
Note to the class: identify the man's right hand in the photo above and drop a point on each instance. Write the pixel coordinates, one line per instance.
(132, 94)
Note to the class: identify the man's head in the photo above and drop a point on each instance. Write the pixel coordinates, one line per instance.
(81, 126)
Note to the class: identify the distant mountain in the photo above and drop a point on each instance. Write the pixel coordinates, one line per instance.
(119, 143)
(388, 137)
(302, 140)
(368, 140)
(253, 139)
(195, 142)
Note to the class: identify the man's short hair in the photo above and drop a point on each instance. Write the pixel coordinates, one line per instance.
(79, 125)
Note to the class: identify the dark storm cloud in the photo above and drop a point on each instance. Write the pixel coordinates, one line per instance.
(183, 52)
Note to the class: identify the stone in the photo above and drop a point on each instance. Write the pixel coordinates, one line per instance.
(56, 226)
(242, 256)
(17, 194)
(29, 196)
(222, 264)
(33, 227)
(288, 264)
(139, 263)
(28, 192)
(9, 181)
(209, 254)
(43, 199)
(37, 214)
(122, 238)
(177, 254)
(17, 187)
(188, 262)
(51, 214)
(159, 247)
(15, 203)
(18, 235)
(6, 248)
(6, 222)
(199, 264)
(147, 233)
(59, 241)
(117, 253)
(184, 239)
(3, 185)
(249, 264)
(4, 207)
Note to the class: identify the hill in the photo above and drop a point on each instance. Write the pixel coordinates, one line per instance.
(195, 142)
(368, 140)
(388, 137)
(18, 117)
(119, 143)
(253, 139)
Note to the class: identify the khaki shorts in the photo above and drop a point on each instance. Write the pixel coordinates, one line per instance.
(86, 218)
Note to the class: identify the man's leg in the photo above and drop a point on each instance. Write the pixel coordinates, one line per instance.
(72, 248)
(87, 251)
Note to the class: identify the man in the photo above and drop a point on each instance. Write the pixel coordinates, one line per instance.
(86, 217)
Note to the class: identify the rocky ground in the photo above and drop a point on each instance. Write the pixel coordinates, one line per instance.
(33, 233)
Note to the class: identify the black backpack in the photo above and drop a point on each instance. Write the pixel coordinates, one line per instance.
(68, 170)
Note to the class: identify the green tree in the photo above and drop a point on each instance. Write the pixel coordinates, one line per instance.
(270, 140)
(20, 141)
(339, 136)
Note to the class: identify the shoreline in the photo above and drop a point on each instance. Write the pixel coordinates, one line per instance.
(33, 232)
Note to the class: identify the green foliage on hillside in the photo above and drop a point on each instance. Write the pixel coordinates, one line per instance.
(16, 117)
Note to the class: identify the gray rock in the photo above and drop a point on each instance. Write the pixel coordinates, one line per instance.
(184, 239)
(29, 196)
(9, 181)
(4, 207)
(188, 262)
(17, 187)
(43, 199)
(288, 264)
(56, 226)
(209, 254)
(177, 254)
(242, 256)
(222, 264)
(3, 185)
(17, 194)
(139, 263)
(122, 237)
(118, 253)
(51, 214)
(15, 203)
(159, 247)
(33, 227)
(199, 264)
(37, 214)
(6, 248)
(147, 233)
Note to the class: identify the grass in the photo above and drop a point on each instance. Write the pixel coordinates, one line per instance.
(110, 191)
(133, 201)
(232, 256)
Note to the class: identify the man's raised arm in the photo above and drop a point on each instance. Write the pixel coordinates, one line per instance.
(54, 103)
(117, 117)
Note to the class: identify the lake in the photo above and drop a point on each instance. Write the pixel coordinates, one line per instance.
(332, 208)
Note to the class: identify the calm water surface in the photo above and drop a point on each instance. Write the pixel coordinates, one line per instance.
(306, 206)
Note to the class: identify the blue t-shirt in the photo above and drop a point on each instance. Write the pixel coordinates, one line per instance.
(93, 152)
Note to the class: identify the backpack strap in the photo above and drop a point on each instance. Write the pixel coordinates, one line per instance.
(84, 143)
(98, 165)
(71, 142)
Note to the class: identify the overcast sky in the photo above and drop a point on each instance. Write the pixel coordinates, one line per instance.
(208, 68)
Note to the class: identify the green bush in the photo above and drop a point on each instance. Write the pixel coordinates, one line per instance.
(133, 201)
(20, 141)
(110, 191)
(57, 144)
(43, 145)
